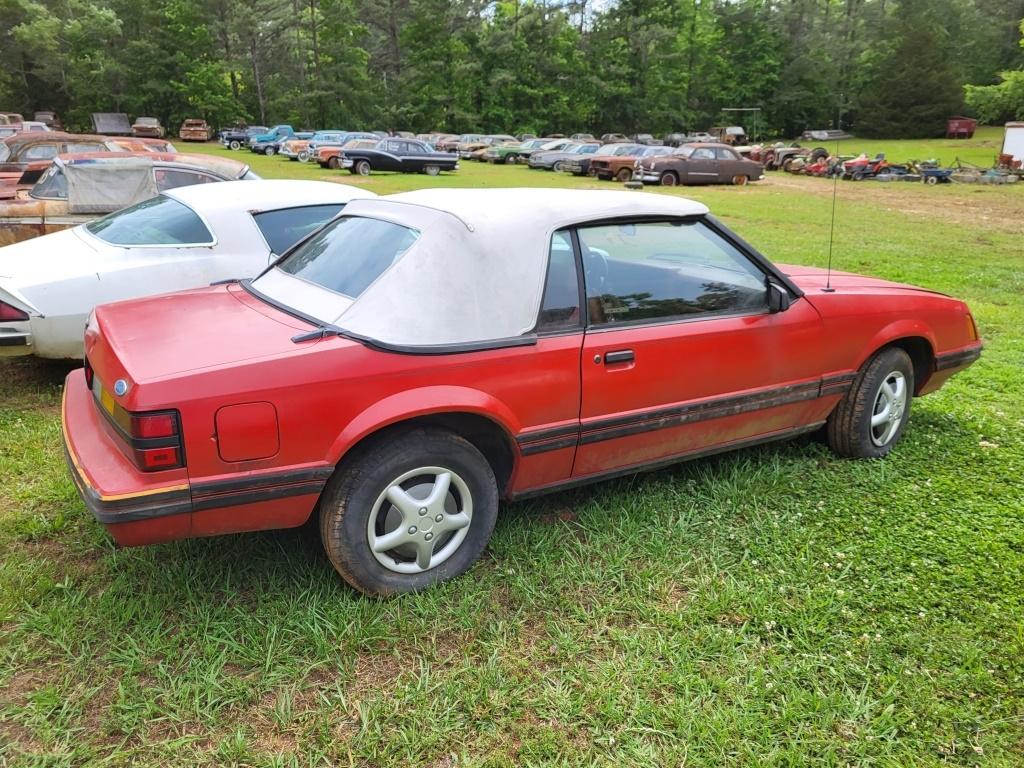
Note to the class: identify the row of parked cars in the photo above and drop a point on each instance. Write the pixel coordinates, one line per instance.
(255, 352)
(580, 155)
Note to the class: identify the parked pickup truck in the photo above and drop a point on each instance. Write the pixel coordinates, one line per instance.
(270, 142)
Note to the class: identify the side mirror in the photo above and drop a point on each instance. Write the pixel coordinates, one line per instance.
(778, 298)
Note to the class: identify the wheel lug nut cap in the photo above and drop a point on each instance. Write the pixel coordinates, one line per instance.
(428, 536)
(439, 518)
(423, 511)
(412, 529)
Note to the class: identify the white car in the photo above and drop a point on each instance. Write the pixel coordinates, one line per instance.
(184, 238)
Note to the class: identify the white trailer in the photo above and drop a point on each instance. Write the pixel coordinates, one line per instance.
(1013, 141)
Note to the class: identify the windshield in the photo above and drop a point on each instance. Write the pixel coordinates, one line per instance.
(349, 254)
(157, 221)
(685, 150)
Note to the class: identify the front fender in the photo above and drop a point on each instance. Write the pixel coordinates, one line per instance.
(898, 329)
(423, 401)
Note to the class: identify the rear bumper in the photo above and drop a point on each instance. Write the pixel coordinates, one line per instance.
(151, 507)
(15, 340)
(112, 488)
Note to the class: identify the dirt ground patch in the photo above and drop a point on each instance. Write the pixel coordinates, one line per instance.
(996, 207)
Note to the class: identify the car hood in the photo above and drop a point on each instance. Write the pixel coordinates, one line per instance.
(212, 327)
(553, 155)
(813, 279)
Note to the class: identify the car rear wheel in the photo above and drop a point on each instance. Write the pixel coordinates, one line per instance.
(235, 145)
(871, 417)
(669, 179)
(362, 168)
(269, 151)
(624, 175)
(432, 170)
(333, 163)
(739, 180)
(414, 509)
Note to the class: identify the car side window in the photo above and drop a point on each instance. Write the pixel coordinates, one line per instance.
(394, 147)
(284, 228)
(413, 149)
(167, 178)
(725, 154)
(703, 153)
(662, 270)
(560, 308)
(40, 152)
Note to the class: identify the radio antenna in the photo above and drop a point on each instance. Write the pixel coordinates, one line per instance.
(832, 228)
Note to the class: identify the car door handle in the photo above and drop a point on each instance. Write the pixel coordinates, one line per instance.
(619, 356)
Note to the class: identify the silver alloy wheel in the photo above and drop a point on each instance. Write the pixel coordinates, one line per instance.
(420, 520)
(890, 404)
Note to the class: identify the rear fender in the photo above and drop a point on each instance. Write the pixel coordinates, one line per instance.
(424, 401)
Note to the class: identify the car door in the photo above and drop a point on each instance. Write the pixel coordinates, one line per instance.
(390, 158)
(413, 157)
(681, 353)
(729, 165)
(701, 167)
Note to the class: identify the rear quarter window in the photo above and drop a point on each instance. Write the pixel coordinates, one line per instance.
(157, 221)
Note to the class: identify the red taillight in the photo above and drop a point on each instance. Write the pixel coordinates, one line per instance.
(11, 314)
(158, 458)
(146, 426)
(88, 374)
(155, 440)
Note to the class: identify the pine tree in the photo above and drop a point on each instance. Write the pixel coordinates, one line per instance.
(915, 84)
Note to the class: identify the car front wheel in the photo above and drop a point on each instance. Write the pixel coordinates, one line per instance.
(432, 170)
(871, 417)
(269, 151)
(235, 145)
(363, 168)
(414, 509)
(669, 179)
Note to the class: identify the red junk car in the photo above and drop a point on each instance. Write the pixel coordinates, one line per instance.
(427, 354)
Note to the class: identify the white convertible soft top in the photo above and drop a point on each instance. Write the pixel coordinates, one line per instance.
(476, 272)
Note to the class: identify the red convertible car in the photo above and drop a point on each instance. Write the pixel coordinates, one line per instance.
(427, 354)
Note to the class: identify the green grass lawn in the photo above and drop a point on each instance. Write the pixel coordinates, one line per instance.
(777, 606)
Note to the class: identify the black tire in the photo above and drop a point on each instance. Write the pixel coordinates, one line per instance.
(557, 167)
(334, 163)
(269, 151)
(818, 153)
(624, 175)
(235, 145)
(849, 427)
(350, 499)
(362, 167)
(669, 179)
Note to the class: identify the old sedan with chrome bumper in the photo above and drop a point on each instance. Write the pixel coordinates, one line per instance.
(428, 354)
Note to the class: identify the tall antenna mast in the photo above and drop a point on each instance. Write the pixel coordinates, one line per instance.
(832, 228)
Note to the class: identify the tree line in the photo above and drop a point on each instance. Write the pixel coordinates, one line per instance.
(878, 67)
